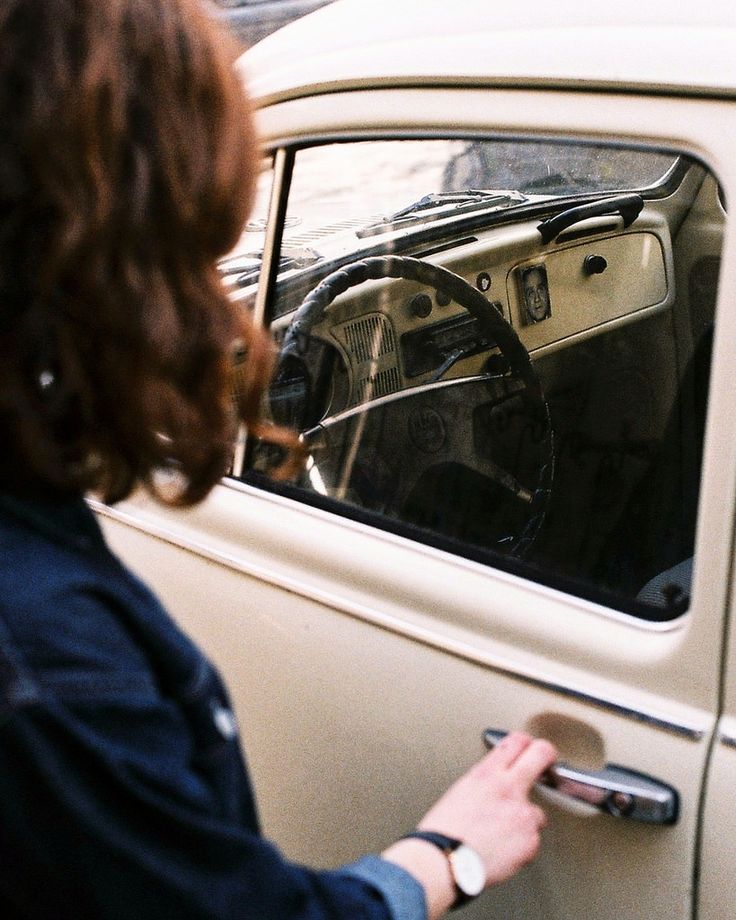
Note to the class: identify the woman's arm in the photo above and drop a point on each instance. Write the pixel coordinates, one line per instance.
(489, 809)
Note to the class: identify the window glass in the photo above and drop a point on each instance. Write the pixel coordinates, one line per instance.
(476, 362)
(241, 268)
(538, 167)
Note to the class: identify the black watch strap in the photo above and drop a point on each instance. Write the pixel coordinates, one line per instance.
(448, 845)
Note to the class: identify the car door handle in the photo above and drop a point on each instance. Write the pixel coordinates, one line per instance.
(614, 790)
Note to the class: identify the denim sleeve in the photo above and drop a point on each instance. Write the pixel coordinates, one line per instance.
(401, 891)
(123, 792)
(89, 832)
(120, 800)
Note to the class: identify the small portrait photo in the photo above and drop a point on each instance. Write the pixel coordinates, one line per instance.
(535, 293)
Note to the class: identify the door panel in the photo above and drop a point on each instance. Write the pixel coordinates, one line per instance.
(356, 715)
(717, 864)
(718, 861)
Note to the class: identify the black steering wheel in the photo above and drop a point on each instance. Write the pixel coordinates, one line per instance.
(382, 453)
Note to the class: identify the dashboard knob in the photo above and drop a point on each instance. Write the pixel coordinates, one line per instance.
(594, 265)
(421, 306)
(496, 366)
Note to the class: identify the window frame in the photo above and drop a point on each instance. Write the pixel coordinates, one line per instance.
(287, 147)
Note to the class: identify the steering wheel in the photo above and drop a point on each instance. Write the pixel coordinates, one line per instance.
(377, 453)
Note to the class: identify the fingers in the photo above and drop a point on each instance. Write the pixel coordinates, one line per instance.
(526, 757)
(533, 760)
(540, 817)
(508, 750)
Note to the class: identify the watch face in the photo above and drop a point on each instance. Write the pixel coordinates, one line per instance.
(469, 871)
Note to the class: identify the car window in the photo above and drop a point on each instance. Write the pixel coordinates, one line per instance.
(543, 166)
(241, 268)
(502, 348)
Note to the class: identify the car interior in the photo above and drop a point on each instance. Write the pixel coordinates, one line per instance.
(501, 347)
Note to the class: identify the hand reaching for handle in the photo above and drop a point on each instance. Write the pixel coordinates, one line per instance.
(488, 809)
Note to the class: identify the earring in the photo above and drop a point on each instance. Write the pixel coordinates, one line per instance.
(46, 379)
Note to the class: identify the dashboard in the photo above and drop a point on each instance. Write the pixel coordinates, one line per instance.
(394, 334)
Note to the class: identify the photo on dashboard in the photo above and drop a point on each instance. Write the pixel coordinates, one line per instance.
(535, 293)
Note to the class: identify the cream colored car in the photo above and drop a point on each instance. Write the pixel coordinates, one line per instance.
(492, 241)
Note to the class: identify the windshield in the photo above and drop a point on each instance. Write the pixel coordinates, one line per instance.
(347, 197)
(545, 167)
(338, 186)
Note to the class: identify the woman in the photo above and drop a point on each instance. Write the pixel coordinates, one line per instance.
(126, 169)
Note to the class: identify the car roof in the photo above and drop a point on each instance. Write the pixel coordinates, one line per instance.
(649, 45)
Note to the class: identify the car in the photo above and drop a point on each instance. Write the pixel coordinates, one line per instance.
(493, 245)
(251, 20)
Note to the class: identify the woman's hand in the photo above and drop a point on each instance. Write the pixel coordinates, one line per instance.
(489, 809)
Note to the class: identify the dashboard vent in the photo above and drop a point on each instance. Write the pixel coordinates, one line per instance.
(369, 338)
(380, 384)
(312, 235)
(372, 348)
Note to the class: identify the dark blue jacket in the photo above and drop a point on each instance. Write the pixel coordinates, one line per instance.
(123, 793)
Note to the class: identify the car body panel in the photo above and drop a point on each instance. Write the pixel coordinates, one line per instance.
(362, 693)
(717, 888)
(365, 665)
(627, 46)
(718, 860)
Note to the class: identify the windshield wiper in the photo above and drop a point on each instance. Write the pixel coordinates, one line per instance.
(469, 197)
(439, 205)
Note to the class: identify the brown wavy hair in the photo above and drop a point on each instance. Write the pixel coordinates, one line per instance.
(126, 169)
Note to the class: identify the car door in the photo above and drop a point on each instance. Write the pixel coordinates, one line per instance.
(717, 884)
(369, 649)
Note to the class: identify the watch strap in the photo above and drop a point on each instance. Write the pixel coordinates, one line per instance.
(448, 845)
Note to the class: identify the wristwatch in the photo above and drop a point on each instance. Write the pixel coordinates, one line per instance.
(466, 866)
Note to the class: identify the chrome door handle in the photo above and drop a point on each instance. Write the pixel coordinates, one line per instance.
(614, 790)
